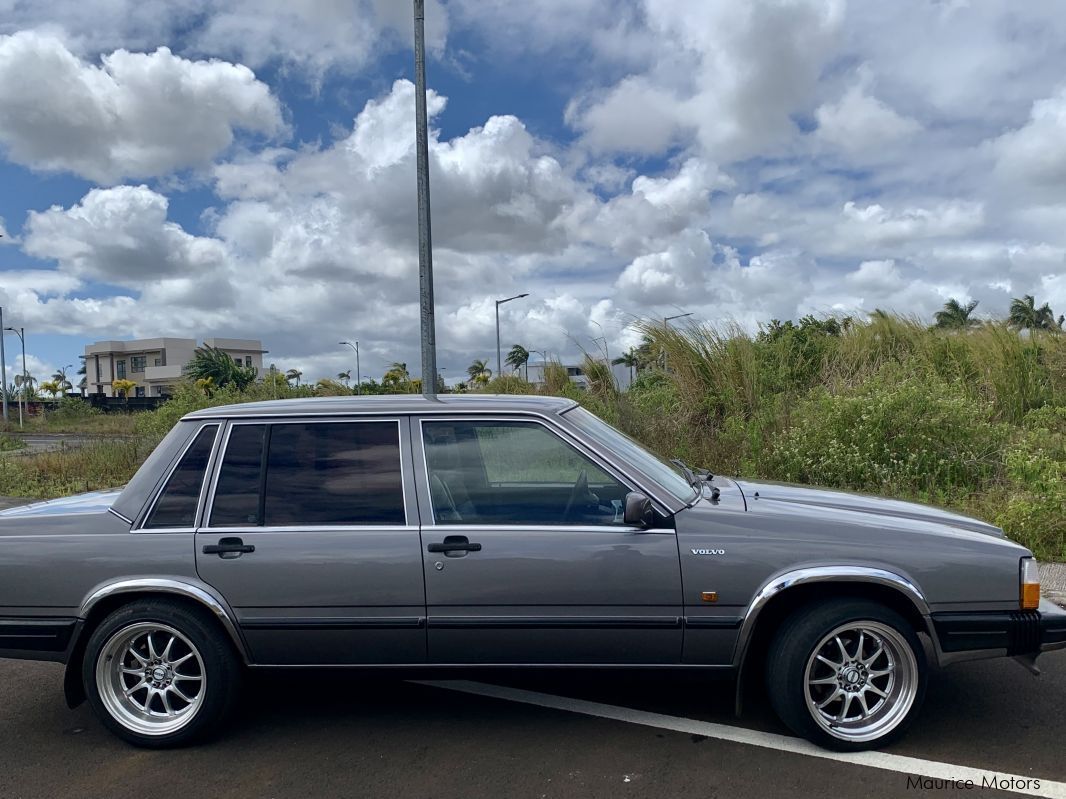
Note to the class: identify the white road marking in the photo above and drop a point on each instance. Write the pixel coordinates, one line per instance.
(1028, 785)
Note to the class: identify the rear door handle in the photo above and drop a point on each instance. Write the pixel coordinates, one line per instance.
(454, 543)
(228, 548)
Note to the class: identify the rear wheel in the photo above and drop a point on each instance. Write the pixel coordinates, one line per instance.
(847, 674)
(159, 674)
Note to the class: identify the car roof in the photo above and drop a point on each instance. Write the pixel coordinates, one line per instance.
(388, 404)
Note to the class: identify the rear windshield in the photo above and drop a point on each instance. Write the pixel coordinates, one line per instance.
(141, 488)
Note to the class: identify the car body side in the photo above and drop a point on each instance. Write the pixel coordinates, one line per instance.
(745, 555)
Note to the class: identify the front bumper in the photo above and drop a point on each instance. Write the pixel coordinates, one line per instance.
(1016, 632)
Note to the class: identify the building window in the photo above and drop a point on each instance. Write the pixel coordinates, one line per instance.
(139, 391)
(120, 370)
(248, 361)
(137, 363)
(158, 362)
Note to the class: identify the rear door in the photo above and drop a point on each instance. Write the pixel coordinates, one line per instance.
(311, 535)
(527, 559)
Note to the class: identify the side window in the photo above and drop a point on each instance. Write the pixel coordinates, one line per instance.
(323, 473)
(176, 506)
(237, 491)
(314, 473)
(515, 473)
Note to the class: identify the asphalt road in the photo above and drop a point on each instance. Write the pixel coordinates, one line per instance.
(343, 734)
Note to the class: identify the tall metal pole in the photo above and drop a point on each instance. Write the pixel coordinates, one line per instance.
(425, 239)
(499, 364)
(358, 372)
(25, 375)
(3, 365)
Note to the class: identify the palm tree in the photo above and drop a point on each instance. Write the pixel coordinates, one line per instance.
(84, 372)
(479, 372)
(955, 315)
(630, 359)
(294, 374)
(1024, 315)
(345, 376)
(206, 385)
(60, 379)
(212, 362)
(123, 387)
(53, 387)
(397, 375)
(517, 358)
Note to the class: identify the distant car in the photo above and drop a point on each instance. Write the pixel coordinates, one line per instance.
(493, 531)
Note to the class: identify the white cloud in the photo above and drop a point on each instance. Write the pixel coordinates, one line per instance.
(135, 115)
(1036, 152)
(859, 124)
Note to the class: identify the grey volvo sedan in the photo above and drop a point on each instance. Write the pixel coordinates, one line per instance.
(494, 531)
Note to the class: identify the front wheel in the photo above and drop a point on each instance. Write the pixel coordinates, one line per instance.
(159, 674)
(846, 674)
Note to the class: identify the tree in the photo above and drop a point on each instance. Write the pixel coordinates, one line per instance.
(53, 387)
(955, 315)
(629, 359)
(212, 362)
(345, 376)
(517, 358)
(1024, 315)
(479, 372)
(83, 371)
(60, 379)
(397, 375)
(294, 374)
(123, 387)
(206, 385)
(331, 388)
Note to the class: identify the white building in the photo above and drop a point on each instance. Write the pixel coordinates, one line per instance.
(575, 372)
(156, 364)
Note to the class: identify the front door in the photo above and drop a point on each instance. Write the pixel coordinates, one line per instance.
(307, 537)
(527, 558)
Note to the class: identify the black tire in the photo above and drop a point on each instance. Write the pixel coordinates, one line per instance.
(213, 697)
(794, 647)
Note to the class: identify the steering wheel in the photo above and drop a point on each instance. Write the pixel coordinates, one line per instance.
(581, 487)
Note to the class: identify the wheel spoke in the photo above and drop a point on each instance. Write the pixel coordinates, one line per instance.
(182, 659)
(151, 647)
(877, 653)
(136, 672)
(142, 660)
(858, 649)
(130, 691)
(181, 694)
(844, 710)
(881, 672)
(830, 680)
(861, 696)
(833, 696)
(874, 689)
(165, 694)
(844, 657)
(167, 648)
(830, 663)
(188, 677)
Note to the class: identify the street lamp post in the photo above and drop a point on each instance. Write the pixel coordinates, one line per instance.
(358, 370)
(21, 333)
(666, 326)
(499, 357)
(3, 365)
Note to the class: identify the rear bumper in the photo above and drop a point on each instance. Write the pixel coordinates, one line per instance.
(1018, 632)
(36, 637)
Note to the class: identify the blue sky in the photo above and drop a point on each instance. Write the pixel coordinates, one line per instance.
(743, 161)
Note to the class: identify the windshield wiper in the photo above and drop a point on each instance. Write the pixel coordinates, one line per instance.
(698, 478)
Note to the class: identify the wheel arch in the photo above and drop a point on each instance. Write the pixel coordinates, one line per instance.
(784, 593)
(107, 598)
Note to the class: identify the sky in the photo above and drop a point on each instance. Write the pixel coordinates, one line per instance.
(246, 169)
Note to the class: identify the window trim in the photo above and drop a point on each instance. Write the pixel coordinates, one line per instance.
(209, 504)
(560, 433)
(173, 467)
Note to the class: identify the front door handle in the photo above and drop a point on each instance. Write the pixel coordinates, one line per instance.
(228, 548)
(454, 544)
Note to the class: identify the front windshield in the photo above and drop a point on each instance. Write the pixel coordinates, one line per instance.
(661, 472)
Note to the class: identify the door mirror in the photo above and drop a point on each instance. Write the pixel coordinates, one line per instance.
(638, 510)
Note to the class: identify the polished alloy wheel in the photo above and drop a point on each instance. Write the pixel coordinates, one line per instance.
(861, 681)
(151, 678)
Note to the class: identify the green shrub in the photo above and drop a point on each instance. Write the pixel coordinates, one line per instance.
(11, 443)
(895, 433)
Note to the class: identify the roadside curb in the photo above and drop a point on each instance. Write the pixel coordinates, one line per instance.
(1053, 582)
